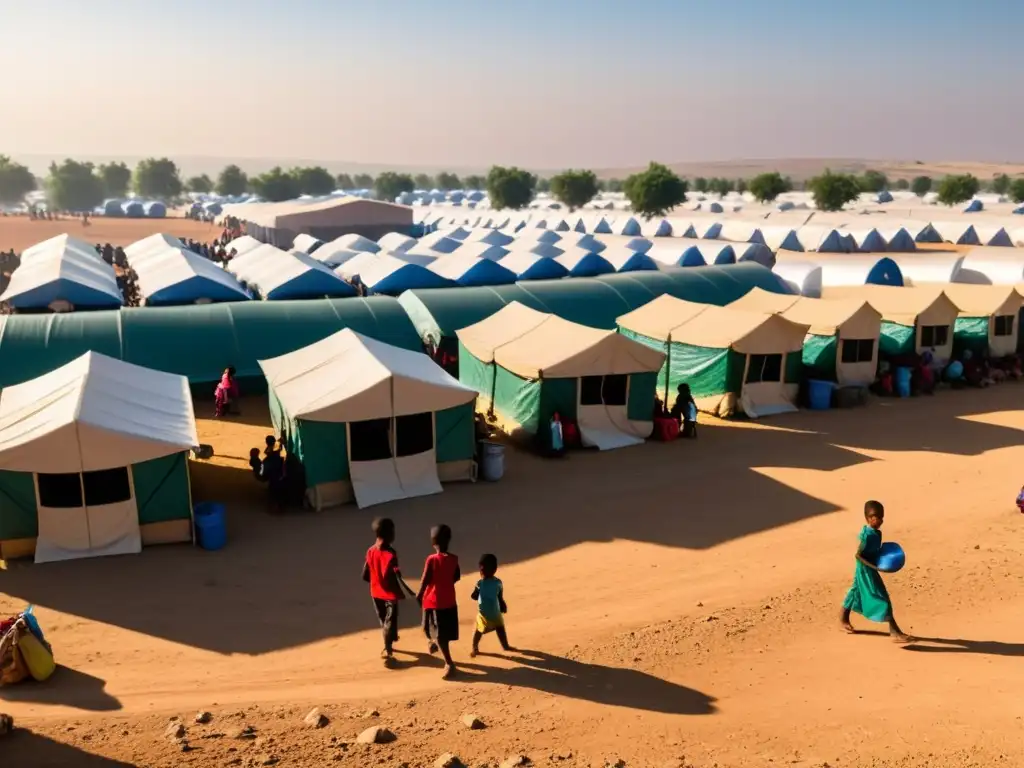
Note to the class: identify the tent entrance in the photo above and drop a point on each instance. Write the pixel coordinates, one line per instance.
(764, 388)
(392, 458)
(601, 412)
(87, 514)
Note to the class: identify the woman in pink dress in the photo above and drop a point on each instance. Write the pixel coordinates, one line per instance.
(227, 392)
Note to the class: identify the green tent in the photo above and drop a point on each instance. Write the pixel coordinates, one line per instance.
(93, 461)
(733, 360)
(528, 365)
(987, 323)
(369, 421)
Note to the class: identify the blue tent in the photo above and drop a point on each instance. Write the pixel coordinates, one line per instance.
(626, 260)
(177, 276)
(388, 275)
(113, 207)
(133, 209)
(469, 270)
(155, 209)
(585, 264)
(884, 197)
(63, 274)
(974, 206)
(213, 208)
(529, 266)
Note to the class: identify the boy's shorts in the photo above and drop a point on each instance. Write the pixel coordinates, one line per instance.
(387, 613)
(485, 625)
(441, 624)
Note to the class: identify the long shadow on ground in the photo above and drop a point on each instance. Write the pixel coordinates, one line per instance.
(31, 750)
(67, 687)
(292, 580)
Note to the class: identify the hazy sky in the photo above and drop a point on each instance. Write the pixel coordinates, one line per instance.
(598, 83)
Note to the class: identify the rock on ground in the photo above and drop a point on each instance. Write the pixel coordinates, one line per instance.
(315, 719)
(472, 722)
(375, 735)
(448, 760)
(202, 718)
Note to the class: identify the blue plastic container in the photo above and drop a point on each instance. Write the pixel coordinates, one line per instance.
(819, 393)
(903, 382)
(891, 557)
(211, 525)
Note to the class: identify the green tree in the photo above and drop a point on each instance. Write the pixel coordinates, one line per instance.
(116, 178)
(543, 185)
(1016, 190)
(700, 184)
(313, 181)
(200, 184)
(615, 185)
(834, 190)
(656, 191)
(474, 182)
(157, 178)
(275, 185)
(16, 181)
(423, 181)
(902, 184)
(448, 181)
(363, 181)
(73, 186)
(389, 185)
(741, 185)
(873, 181)
(574, 188)
(921, 186)
(344, 181)
(1001, 184)
(790, 184)
(766, 187)
(721, 186)
(232, 182)
(511, 188)
(957, 189)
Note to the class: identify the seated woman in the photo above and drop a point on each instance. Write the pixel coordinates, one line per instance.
(684, 410)
(227, 393)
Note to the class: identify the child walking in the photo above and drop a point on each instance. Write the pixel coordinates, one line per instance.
(868, 595)
(437, 596)
(490, 596)
(387, 588)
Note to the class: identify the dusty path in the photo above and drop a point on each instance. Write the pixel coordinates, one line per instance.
(680, 602)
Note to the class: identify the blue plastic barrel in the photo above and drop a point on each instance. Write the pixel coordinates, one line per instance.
(211, 525)
(903, 382)
(820, 394)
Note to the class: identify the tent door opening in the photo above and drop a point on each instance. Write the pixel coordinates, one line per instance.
(392, 458)
(87, 514)
(764, 390)
(601, 412)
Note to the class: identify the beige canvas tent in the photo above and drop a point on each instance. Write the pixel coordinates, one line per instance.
(914, 320)
(370, 421)
(987, 322)
(528, 365)
(842, 338)
(732, 359)
(93, 461)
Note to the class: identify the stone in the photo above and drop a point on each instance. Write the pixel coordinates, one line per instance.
(515, 761)
(175, 731)
(615, 764)
(375, 735)
(245, 732)
(473, 722)
(266, 760)
(448, 760)
(185, 746)
(315, 719)
(202, 718)
(370, 713)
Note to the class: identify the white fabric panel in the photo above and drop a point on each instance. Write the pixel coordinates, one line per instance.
(605, 427)
(375, 482)
(418, 474)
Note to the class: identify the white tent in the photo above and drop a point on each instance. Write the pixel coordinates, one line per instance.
(304, 243)
(179, 276)
(352, 242)
(992, 266)
(350, 380)
(395, 241)
(153, 243)
(241, 245)
(67, 242)
(61, 278)
(88, 423)
(930, 267)
(804, 277)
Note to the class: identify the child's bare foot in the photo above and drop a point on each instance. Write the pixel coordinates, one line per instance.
(848, 628)
(449, 672)
(432, 648)
(474, 653)
(902, 638)
(508, 649)
(389, 661)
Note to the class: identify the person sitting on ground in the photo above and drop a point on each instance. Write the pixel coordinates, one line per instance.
(227, 393)
(923, 380)
(975, 374)
(256, 463)
(684, 410)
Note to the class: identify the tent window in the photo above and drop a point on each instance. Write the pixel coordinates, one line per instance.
(1004, 325)
(414, 434)
(370, 440)
(764, 368)
(590, 390)
(858, 350)
(934, 335)
(613, 389)
(107, 486)
(60, 491)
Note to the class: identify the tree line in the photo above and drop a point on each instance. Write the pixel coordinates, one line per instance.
(82, 186)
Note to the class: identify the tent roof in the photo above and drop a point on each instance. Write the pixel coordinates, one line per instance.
(824, 316)
(157, 242)
(898, 305)
(984, 300)
(61, 241)
(94, 413)
(350, 377)
(62, 272)
(534, 344)
(164, 276)
(657, 318)
(760, 300)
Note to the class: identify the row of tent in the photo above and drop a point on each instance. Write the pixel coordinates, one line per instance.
(133, 209)
(62, 273)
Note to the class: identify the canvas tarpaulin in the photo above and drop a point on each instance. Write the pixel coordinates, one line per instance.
(896, 340)
(18, 514)
(819, 356)
(162, 489)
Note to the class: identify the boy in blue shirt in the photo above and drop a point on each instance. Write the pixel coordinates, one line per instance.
(490, 596)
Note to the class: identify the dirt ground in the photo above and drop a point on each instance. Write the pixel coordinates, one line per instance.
(20, 232)
(676, 605)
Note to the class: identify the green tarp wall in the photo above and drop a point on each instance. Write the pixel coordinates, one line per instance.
(437, 314)
(896, 340)
(161, 493)
(198, 341)
(971, 333)
(819, 357)
(322, 446)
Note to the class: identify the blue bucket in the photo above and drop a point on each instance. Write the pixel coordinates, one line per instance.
(211, 525)
(819, 393)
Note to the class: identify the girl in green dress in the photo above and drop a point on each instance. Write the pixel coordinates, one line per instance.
(868, 595)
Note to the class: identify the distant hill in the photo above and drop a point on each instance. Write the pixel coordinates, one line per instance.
(797, 168)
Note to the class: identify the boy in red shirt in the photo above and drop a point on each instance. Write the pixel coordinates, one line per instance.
(386, 585)
(437, 596)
